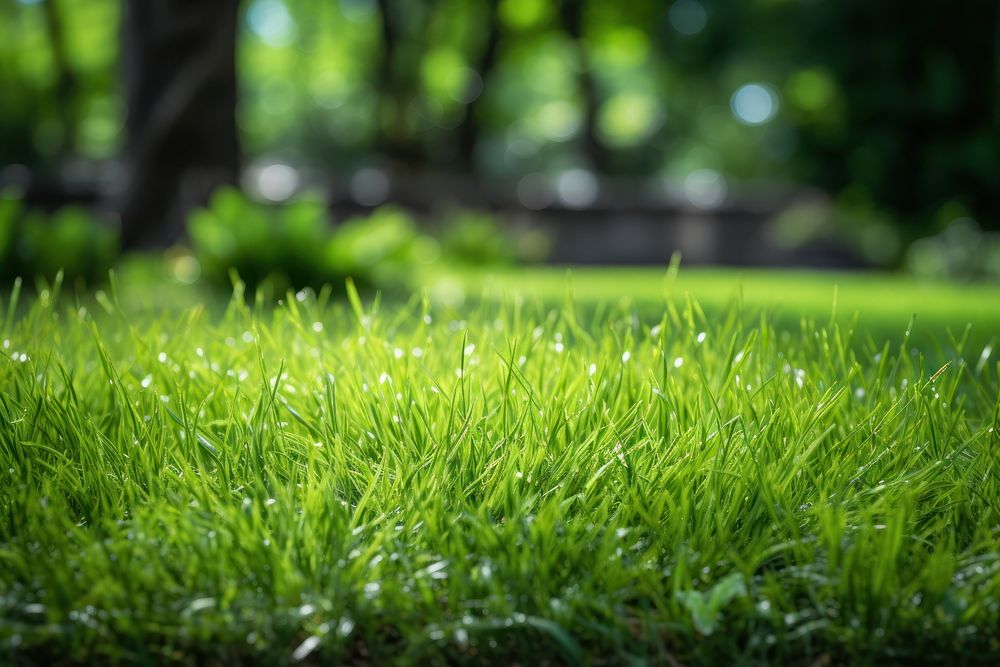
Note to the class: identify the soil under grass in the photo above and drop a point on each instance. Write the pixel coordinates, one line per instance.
(531, 481)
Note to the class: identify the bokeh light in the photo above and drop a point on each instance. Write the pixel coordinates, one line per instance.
(754, 103)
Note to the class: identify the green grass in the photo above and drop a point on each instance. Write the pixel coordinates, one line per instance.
(535, 480)
(884, 302)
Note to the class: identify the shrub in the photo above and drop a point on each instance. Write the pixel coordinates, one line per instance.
(36, 244)
(296, 245)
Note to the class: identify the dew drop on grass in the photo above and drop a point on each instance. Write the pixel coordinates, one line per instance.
(437, 570)
(678, 362)
(701, 337)
(317, 326)
(417, 352)
(146, 381)
(345, 627)
(626, 356)
(162, 357)
(592, 370)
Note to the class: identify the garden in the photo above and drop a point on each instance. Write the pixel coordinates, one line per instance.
(341, 345)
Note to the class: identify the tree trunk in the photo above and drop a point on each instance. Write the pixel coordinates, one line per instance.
(404, 28)
(594, 151)
(66, 79)
(180, 75)
(469, 129)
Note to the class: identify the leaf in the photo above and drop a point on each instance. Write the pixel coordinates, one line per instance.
(706, 607)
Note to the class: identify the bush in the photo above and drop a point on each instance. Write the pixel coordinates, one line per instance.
(472, 237)
(296, 245)
(481, 239)
(961, 251)
(35, 244)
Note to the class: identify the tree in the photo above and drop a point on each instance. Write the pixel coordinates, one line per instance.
(573, 19)
(180, 80)
(469, 129)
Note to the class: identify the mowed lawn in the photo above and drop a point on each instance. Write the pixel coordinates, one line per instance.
(626, 467)
(883, 303)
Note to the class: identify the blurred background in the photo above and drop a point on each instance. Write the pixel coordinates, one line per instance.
(311, 139)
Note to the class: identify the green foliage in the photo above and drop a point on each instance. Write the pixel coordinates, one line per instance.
(477, 238)
(901, 135)
(296, 244)
(11, 210)
(706, 606)
(33, 244)
(962, 251)
(382, 248)
(512, 483)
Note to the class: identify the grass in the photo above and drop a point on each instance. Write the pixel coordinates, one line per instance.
(884, 302)
(511, 481)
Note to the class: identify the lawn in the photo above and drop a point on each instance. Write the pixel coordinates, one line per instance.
(622, 468)
(884, 303)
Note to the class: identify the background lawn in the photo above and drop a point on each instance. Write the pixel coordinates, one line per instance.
(883, 303)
